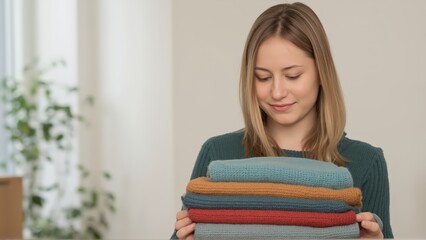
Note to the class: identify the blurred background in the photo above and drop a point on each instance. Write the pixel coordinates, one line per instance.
(164, 78)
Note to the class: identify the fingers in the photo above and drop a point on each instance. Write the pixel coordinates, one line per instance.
(185, 231)
(190, 237)
(184, 225)
(181, 214)
(370, 230)
(365, 216)
(369, 227)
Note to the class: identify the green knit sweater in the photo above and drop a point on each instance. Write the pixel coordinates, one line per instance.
(365, 162)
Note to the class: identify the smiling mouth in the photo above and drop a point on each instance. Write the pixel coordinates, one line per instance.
(282, 107)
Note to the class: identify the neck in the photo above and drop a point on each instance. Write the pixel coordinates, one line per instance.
(290, 137)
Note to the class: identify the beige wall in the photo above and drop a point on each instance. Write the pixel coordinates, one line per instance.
(379, 51)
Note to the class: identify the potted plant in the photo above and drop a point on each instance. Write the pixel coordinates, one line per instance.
(40, 129)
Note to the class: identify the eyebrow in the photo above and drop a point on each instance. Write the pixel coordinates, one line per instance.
(283, 69)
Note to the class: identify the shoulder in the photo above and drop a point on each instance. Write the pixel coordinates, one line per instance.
(226, 146)
(362, 158)
(348, 146)
(235, 137)
(222, 147)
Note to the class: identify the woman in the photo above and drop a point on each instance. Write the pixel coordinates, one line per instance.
(292, 105)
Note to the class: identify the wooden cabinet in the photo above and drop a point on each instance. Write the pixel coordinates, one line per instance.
(11, 213)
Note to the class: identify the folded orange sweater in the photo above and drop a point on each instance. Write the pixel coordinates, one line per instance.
(202, 185)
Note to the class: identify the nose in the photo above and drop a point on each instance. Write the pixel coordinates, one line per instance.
(279, 90)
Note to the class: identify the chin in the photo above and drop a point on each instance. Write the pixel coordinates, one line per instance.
(285, 122)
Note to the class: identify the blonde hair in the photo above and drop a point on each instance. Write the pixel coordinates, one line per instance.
(299, 24)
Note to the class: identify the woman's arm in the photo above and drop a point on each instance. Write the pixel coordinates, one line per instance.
(375, 190)
(183, 222)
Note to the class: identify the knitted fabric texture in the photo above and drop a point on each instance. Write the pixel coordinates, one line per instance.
(193, 200)
(378, 220)
(289, 170)
(274, 217)
(204, 231)
(202, 185)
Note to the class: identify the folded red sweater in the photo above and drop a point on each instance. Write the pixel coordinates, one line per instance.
(277, 217)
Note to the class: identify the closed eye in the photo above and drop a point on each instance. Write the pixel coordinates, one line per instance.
(263, 79)
(293, 77)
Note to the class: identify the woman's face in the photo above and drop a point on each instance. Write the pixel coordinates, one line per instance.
(286, 83)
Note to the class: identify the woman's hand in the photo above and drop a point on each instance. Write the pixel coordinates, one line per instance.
(369, 227)
(184, 226)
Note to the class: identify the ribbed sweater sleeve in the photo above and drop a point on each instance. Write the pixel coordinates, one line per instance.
(204, 157)
(376, 192)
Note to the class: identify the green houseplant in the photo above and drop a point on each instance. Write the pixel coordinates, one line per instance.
(40, 131)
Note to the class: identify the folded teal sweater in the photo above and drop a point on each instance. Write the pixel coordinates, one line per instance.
(289, 170)
(206, 231)
(193, 200)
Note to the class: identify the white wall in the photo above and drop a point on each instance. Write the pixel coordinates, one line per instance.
(125, 61)
(379, 52)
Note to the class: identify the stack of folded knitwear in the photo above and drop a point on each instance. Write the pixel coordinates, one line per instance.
(273, 197)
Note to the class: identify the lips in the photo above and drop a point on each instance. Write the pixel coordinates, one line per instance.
(282, 107)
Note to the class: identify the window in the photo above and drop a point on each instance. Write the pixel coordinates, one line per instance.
(6, 67)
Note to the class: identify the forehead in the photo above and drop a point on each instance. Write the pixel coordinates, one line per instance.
(278, 52)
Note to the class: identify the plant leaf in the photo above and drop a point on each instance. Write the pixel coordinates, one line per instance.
(47, 93)
(31, 152)
(94, 198)
(107, 175)
(72, 213)
(47, 126)
(90, 100)
(67, 110)
(59, 137)
(103, 220)
(73, 89)
(110, 196)
(3, 165)
(111, 208)
(50, 188)
(94, 232)
(37, 200)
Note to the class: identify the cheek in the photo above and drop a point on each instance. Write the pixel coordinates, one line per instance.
(308, 90)
(261, 91)
(311, 93)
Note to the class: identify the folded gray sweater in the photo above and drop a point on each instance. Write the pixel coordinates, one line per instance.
(207, 231)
